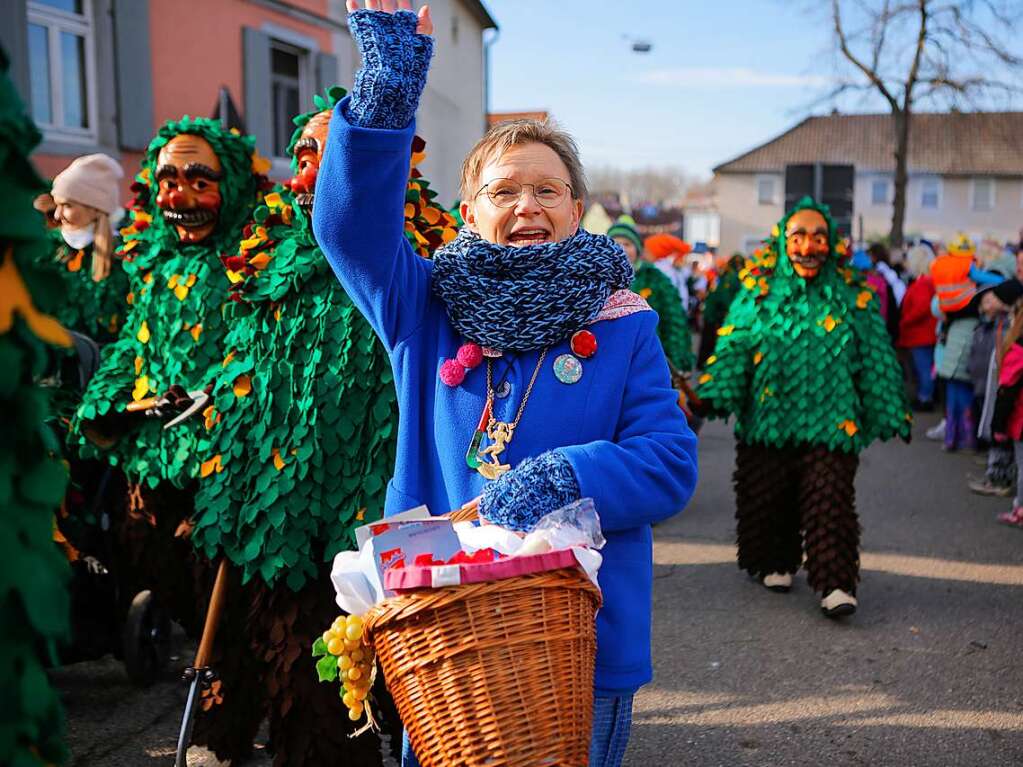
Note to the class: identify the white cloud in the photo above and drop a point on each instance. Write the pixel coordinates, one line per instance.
(727, 77)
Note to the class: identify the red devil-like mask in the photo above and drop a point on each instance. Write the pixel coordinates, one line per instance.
(308, 152)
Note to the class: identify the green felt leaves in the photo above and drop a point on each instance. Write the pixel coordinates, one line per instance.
(673, 323)
(33, 579)
(806, 361)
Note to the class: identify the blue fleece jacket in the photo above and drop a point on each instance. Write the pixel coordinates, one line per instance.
(619, 427)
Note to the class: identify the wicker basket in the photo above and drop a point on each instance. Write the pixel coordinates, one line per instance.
(496, 673)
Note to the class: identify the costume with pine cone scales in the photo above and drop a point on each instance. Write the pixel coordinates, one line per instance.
(807, 367)
(302, 437)
(34, 602)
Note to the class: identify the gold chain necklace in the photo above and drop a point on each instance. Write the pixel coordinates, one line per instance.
(500, 433)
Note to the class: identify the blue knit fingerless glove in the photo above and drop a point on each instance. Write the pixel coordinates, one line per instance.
(395, 62)
(536, 487)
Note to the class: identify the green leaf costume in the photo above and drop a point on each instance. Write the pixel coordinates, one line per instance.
(303, 426)
(34, 602)
(807, 367)
(672, 323)
(175, 325)
(806, 361)
(95, 309)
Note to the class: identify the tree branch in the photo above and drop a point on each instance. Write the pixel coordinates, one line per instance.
(870, 73)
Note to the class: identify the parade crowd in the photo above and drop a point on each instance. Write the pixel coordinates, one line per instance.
(249, 372)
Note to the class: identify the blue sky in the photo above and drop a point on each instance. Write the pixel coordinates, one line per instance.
(723, 75)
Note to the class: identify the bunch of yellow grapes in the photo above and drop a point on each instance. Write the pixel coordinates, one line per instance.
(355, 667)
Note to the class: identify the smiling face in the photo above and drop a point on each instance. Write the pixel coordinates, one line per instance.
(806, 242)
(73, 214)
(526, 222)
(188, 174)
(308, 152)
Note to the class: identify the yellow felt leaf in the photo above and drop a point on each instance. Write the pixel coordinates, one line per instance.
(726, 330)
(749, 283)
(141, 215)
(234, 277)
(757, 358)
(260, 261)
(181, 292)
(190, 281)
(143, 334)
(242, 386)
(252, 242)
(208, 417)
(712, 359)
(173, 281)
(360, 514)
(210, 466)
(227, 359)
(129, 246)
(141, 388)
(273, 200)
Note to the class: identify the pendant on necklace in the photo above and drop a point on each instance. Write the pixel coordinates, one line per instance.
(472, 459)
(499, 433)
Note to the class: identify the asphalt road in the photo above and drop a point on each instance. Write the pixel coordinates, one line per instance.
(928, 672)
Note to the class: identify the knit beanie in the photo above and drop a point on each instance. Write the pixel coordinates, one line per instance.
(625, 227)
(92, 180)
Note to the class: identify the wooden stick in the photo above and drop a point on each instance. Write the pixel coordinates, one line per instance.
(209, 630)
(143, 404)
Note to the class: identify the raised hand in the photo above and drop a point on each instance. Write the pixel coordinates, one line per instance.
(425, 25)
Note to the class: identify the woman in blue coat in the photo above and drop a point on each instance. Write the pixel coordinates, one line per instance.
(527, 374)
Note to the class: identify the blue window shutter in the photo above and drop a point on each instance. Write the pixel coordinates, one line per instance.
(326, 71)
(134, 73)
(258, 110)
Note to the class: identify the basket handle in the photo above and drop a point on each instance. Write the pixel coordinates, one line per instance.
(469, 511)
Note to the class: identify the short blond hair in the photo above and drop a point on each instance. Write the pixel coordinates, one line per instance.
(504, 136)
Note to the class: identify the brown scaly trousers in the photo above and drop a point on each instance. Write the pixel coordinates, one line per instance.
(263, 656)
(794, 501)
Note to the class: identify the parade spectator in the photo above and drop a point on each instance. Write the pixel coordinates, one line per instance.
(1007, 416)
(918, 326)
(602, 421)
(995, 303)
(668, 254)
(651, 284)
(716, 306)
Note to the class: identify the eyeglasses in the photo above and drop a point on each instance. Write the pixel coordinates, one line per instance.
(505, 192)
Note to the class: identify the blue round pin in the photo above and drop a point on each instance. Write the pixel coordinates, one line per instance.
(568, 369)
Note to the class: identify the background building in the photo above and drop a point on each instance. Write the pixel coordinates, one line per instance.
(965, 175)
(101, 75)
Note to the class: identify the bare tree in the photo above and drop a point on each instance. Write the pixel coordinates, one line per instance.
(952, 51)
(641, 185)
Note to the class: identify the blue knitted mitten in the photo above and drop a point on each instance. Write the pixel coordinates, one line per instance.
(395, 62)
(536, 487)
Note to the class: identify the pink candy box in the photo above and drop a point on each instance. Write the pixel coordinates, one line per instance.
(436, 576)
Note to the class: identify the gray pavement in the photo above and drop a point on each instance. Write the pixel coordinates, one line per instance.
(928, 672)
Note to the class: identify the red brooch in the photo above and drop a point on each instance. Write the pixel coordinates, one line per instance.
(584, 344)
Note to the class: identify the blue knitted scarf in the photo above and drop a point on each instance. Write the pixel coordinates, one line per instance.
(516, 299)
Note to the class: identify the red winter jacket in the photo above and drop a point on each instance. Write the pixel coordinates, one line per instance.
(918, 327)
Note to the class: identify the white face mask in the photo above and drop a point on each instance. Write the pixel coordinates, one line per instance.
(78, 239)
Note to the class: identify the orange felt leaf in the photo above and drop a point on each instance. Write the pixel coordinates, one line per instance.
(173, 281)
(227, 359)
(706, 377)
(278, 461)
(757, 358)
(75, 263)
(130, 299)
(242, 386)
(138, 365)
(190, 281)
(864, 298)
(260, 261)
(129, 246)
(208, 417)
(410, 210)
(646, 292)
(195, 331)
(432, 216)
(829, 323)
(15, 299)
(210, 466)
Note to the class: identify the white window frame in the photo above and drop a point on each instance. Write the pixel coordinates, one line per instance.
(888, 189)
(973, 194)
(940, 188)
(774, 189)
(307, 48)
(56, 21)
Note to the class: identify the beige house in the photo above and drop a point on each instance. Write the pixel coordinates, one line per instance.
(965, 175)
